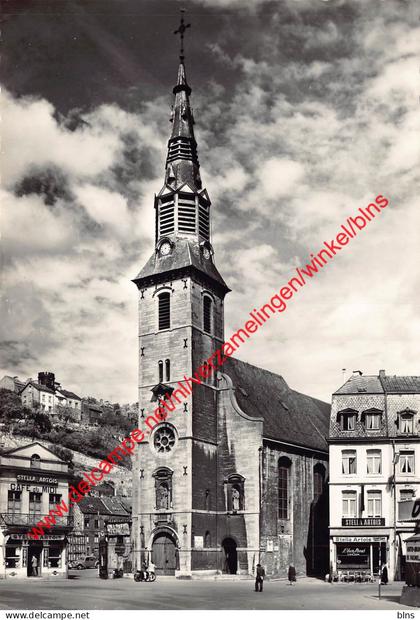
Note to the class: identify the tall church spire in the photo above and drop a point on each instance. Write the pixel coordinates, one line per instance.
(182, 164)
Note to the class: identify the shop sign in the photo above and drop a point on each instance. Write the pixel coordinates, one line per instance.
(270, 545)
(31, 478)
(356, 552)
(362, 521)
(198, 542)
(413, 552)
(45, 537)
(363, 539)
(118, 529)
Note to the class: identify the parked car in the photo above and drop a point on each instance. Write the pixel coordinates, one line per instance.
(89, 561)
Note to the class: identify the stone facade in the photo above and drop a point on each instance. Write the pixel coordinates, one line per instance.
(216, 486)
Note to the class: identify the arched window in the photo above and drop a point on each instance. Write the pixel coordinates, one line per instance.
(284, 484)
(164, 301)
(207, 310)
(167, 370)
(160, 364)
(35, 461)
(207, 539)
(319, 479)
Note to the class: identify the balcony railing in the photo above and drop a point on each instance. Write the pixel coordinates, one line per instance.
(16, 519)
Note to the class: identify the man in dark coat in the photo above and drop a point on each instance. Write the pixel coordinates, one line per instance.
(259, 578)
(384, 575)
(291, 574)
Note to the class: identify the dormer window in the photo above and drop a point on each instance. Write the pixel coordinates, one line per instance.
(371, 419)
(347, 419)
(406, 422)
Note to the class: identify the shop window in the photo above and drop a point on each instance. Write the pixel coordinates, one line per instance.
(164, 309)
(284, 467)
(14, 502)
(35, 503)
(160, 366)
(35, 461)
(163, 488)
(349, 462)
(54, 557)
(319, 480)
(207, 311)
(374, 461)
(349, 507)
(12, 555)
(167, 370)
(406, 423)
(374, 504)
(207, 539)
(406, 462)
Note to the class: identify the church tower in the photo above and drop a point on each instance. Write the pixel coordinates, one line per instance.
(181, 297)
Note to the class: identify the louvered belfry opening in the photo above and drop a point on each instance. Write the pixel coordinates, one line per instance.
(204, 221)
(164, 311)
(167, 216)
(182, 148)
(187, 213)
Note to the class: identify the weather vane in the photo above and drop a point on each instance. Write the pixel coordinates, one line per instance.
(181, 30)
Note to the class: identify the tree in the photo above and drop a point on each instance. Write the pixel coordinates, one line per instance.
(11, 407)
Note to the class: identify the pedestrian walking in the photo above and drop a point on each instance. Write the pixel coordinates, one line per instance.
(259, 578)
(384, 575)
(34, 566)
(291, 575)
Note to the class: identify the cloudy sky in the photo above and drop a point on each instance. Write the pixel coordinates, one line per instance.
(305, 111)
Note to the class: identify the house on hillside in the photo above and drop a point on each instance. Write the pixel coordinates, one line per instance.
(13, 384)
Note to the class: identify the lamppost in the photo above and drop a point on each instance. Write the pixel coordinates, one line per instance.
(395, 460)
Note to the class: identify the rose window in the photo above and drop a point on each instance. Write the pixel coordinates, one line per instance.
(164, 439)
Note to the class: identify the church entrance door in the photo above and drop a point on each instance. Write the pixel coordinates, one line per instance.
(164, 554)
(231, 556)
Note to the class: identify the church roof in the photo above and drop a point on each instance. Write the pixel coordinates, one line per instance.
(288, 415)
(184, 254)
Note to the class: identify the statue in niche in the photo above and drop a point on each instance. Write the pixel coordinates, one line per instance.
(236, 497)
(163, 497)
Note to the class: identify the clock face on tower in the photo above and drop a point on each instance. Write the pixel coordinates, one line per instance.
(165, 248)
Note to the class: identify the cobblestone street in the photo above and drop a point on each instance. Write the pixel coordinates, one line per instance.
(86, 591)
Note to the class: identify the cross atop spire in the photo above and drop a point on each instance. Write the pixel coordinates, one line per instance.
(181, 30)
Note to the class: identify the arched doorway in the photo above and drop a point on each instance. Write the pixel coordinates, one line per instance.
(231, 556)
(164, 554)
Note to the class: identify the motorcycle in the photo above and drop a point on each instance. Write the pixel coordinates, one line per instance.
(139, 576)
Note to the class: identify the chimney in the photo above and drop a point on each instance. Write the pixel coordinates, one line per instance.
(382, 373)
(357, 373)
(47, 379)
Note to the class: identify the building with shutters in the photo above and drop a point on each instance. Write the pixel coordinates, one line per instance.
(374, 472)
(238, 474)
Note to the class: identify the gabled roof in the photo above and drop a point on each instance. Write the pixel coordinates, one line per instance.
(361, 384)
(38, 386)
(288, 415)
(68, 394)
(115, 506)
(185, 254)
(93, 505)
(401, 385)
(32, 445)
